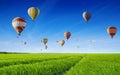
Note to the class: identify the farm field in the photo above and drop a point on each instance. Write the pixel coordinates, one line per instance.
(59, 64)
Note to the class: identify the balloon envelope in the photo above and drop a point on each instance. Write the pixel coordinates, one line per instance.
(67, 35)
(111, 31)
(44, 40)
(61, 42)
(87, 16)
(19, 24)
(33, 12)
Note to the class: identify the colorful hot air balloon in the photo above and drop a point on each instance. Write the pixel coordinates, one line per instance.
(86, 16)
(67, 35)
(44, 40)
(33, 12)
(61, 42)
(19, 24)
(112, 31)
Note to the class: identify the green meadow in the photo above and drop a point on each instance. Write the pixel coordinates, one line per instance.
(59, 64)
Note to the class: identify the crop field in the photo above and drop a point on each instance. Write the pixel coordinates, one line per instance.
(59, 64)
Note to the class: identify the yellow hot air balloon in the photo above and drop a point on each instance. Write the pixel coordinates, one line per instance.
(61, 42)
(33, 12)
(44, 40)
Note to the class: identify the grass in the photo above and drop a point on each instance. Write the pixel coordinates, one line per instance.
(97, 64)
(27, 59)
(59, 64)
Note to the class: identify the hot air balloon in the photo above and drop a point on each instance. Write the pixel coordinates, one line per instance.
(19, 24)
(86, 16)
(61, 42)
(112, 31)
(33, 12)
(44, 41)
(67, 35)
(25, 43)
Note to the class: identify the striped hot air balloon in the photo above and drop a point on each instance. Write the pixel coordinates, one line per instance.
(112, 31)
(33, 12)
(19, 24)
(67, 35)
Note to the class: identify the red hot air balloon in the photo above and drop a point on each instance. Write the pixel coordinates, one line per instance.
(19, 24)
(112, 31)
(67, 35)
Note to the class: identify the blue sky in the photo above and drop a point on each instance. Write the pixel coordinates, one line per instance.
(56, 17)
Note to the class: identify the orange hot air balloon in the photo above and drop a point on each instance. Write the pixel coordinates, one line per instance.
(112, 31)
(67, 35)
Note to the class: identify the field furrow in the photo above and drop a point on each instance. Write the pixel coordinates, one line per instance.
(51, 67)
(73, 65)
(17, 62)
(101, 64)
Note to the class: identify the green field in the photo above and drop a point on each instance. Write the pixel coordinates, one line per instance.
(59, 64)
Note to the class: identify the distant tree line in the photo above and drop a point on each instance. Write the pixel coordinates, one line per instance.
(12, 53)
